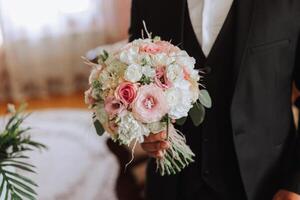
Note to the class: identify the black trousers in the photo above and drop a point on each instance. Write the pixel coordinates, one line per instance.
(203, 193)
(206, 193)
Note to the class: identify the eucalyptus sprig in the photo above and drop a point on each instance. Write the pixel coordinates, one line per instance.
(14, 142)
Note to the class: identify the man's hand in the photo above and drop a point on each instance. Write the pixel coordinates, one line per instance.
(286, 195)
(155, 144)
(295, 94)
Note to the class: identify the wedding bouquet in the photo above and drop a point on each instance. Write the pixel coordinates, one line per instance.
(144, 88)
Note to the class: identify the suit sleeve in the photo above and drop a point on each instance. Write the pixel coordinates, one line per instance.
(136, 21)
(292, 180)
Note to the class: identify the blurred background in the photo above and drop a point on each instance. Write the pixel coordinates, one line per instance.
(41, 44)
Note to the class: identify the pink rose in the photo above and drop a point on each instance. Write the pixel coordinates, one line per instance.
(161, 79)
(186, 74)
(166, 47)
(113, 106)
(151, 48)
(126, 92)
(150, 105)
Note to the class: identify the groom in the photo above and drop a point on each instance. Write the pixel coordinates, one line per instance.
(247, 147)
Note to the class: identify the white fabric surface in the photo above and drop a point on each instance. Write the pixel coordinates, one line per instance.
(208, 17)
(78, 164)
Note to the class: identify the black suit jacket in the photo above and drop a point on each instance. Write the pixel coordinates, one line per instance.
(266, 62)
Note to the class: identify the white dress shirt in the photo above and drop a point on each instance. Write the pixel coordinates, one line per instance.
(208, 17)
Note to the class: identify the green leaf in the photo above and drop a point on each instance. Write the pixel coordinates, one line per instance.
(22, 185)
(25, 194)
(15, 196)
(19, 167)
(205, 99)
(20, 177)
(6, 193)
(7, 161)
(197, 114)
(2, 187)
(104, 56)
(181, 121)
(99, 128)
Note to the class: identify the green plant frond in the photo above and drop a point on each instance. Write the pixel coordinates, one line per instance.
(18, 156)
(10, 121)
(14, 196)
(13, 161)
(2, 186)
(14, 141)
(23, 193)
(37, 145)
(15, 182)
(18, 166)
(7, 193)
(23, 178)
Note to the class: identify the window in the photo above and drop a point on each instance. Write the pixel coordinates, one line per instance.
(37, 12)
(32, 16)
(1, 38)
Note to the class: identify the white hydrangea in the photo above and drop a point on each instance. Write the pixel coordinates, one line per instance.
(133, 73)
(182, 84)
(182, 53)
(180, 102)
(101, 114)
(162, 59)
(148, 71)
(156, 127)
(130, 129)
(139, 42)
(130, 56)
(144, 59)
(174, 73)
(189, 65)
(195, 75)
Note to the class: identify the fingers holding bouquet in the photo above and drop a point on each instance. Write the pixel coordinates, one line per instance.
(155, 144)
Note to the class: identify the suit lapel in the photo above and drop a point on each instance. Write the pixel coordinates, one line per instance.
(244, 20)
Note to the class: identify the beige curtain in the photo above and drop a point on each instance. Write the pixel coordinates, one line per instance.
(43, 41)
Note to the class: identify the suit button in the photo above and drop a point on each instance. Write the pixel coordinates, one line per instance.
(205, 140)
(207, 69)
(206, 173)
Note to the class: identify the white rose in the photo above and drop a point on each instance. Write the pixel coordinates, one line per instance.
(182, 84)
(130, 56)
(133, 73)
(195, 75)
(182, 53)
(148, 71)
(179, 101)
(174, 72)
(186, 61)
(162, 59)
(139, 42)
(173, 96)
(130, 129)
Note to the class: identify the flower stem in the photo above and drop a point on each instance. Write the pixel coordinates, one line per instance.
(168, 121)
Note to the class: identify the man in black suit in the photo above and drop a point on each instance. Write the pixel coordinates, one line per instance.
(247, 147)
